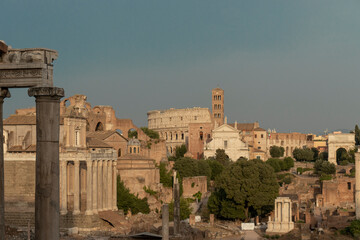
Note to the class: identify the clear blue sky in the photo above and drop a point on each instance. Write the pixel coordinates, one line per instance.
(291, 65)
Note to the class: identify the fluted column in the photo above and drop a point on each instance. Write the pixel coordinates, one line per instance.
(109, 186)
(76, 188)
(88, 188)
(94, 188)
(104, 185)
(63, 187)
(114, 185)
(100, 188)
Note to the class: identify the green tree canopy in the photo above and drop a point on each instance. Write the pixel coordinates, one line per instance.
(276, 151)
(185, 209)
(216, 168)
(150, 133)
(244, 189)
(180, 151)
(132, 133)
(316, 153)
(188, 167)
(324, 167)
(128, 201)
(305, 154)
(357, 135)
(221, 157)
(165, 176)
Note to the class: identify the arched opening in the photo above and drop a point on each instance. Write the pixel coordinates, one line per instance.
(201, 134)
(341, 155)
(132, 133)
(87, 125)
(99, 127)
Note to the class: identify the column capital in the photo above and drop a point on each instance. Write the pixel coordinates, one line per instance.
(76, 163)
(100, 163)
(46, 91)
(89, 163)
(4, 93)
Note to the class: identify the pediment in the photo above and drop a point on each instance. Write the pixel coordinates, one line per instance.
(225, 128)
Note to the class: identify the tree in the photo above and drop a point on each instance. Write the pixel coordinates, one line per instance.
(216, 168)
(303, 154)
(221, 157)
(323, 156)
(180, 151)
(324, 167)
(244, 189)
(185, 209)
(132, 133)
(357, 135)
(276, 151)
(289, 162)
(188, 167)
(128, 201)
(316, 153)
(274, 163)
(150, 133)
(165, 176)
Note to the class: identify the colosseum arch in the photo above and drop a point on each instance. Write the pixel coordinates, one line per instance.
(99, 126)
(339, 140)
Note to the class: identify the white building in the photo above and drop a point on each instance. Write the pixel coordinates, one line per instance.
(227, 138)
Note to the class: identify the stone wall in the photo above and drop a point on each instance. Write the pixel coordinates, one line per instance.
(198, 134)
(192, 185)
(289, 141)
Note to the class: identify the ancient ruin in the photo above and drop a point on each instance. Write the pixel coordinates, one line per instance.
(32, 68)
(282, 222)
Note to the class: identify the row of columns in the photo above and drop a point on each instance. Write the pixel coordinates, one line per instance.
(100, 186)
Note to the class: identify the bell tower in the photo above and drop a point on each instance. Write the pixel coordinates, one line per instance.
(217, 96)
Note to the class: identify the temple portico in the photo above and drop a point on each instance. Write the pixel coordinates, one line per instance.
(88, 184)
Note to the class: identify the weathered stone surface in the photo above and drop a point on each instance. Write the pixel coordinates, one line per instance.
(23, 68)
(3, 47)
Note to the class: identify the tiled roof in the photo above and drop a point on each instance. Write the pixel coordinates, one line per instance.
(244, 126)
(20, 120)
(96, 143)
(259, 129)
(24, 120)
(102, 134)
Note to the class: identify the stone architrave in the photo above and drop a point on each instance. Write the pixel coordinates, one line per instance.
(33, 68)
(282, 222)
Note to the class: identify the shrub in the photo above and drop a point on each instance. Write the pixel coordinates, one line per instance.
(299, 170)
(322, 166)
(198, 195)
(344, 162)
(128, 201)
(325, 177)
(289, 161)
(276, 151)
(150, 133)
(185, 209)
(353, 229)
(165, 176)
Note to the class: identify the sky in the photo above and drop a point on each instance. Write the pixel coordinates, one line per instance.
(290, 65)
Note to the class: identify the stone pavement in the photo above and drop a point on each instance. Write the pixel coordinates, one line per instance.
(251, 235)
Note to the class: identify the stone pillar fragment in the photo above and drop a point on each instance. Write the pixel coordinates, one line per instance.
(88, 188)
(357, 185)
(47, 161)
(3, 94)
(176, 208)
(76, 188)
(63, 187)
(165, 222)
(94, 188)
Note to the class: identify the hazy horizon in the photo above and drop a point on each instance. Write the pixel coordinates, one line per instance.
(290, 65)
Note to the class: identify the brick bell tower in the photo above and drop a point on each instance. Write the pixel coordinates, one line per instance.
(217, 96)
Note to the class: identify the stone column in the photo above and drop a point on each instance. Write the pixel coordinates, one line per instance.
(165, 222)
(88, 188)
(47, 161)
(63, 187)
(176, 208)
(3, 94)
(109, 186)
(114, 185)
(94, 188)
(100, 187)
(357, 185)
(104, 186)
(76, 187)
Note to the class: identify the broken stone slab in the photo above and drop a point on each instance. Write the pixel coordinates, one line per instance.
(3, 47)
(28, 67)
